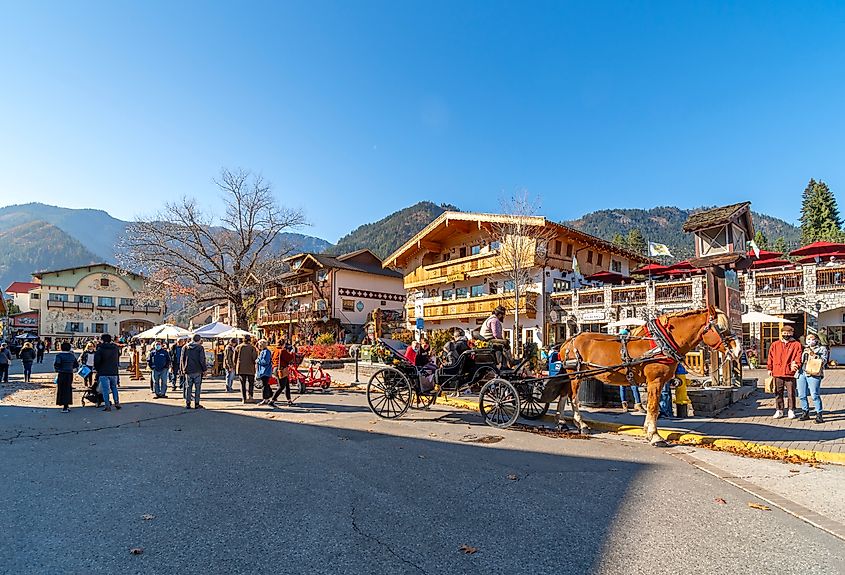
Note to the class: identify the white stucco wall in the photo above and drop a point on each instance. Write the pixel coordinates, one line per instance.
(365, 287)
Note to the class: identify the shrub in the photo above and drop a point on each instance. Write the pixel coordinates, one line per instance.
(437, 339)
(325, 339)
(324, 351)
(405, 336)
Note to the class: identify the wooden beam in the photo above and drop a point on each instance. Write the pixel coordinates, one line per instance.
(430, 245)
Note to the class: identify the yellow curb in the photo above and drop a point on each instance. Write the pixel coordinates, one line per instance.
(684, 438)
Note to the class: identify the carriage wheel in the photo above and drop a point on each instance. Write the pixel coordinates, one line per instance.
(389, 393)
(533, 409)
(422, 401)
(499, 403)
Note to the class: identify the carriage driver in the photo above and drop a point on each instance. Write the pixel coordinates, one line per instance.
(492, 331)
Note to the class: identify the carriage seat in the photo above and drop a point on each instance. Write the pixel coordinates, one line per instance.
(459, 365)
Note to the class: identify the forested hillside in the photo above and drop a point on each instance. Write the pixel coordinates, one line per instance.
(36, 246)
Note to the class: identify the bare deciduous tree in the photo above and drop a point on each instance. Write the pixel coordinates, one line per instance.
(523, 239)
(189, 253)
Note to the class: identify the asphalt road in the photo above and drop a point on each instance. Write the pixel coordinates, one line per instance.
(326, 487)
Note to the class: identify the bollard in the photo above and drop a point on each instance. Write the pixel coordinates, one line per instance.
(357, 355)
(136, 375)
(681, 398)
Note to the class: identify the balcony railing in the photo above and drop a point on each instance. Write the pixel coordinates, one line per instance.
(302, 288)
(829, 279)
(634, 295)
(288, 317)
(563, 299)
(591, 298)
(477, 307)
(670, 293)
(139, 308)
(452, 271)
(69, 305)
(779, 283)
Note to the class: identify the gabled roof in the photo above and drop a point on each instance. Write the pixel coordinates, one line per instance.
(22, 287)
(344, 262)
(88, 266)
(719, 216)
(473, 219)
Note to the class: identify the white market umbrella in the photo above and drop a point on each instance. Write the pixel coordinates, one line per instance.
(212, 330)
(627, 322)
(164, 331)
(760, 317)
(234, 333)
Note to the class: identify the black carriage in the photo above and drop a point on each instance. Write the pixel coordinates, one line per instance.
(505, 394)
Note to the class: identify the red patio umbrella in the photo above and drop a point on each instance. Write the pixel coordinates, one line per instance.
(651, 269)
(764, 255)
(681, 268)
(770, 263)
(822, 258)
(818, 249)
(607, 277)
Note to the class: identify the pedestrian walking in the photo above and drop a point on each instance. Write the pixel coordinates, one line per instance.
(88, 360)
(282, 359)
(107, 366)
(40, 346)
(229, 363)
(245, 357)
(176, 375)
(65, 365)
(27, 356)
(784, 360)
(813, 360)
(193, 366)
(5, 362)
(264, 370)
(159, 363)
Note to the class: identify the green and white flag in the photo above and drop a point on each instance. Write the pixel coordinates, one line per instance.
(655, 249)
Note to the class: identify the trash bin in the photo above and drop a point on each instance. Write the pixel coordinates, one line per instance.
(591, 393)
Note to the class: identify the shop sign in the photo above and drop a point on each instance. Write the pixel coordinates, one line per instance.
(593, 316)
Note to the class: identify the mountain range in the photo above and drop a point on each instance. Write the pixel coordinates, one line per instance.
(36, 237)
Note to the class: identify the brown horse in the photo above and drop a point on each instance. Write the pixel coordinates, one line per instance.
(654, 357)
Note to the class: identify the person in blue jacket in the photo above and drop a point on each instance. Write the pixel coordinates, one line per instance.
(159, 363)
(264, 370)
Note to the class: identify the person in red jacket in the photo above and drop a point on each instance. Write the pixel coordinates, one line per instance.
(784, 361)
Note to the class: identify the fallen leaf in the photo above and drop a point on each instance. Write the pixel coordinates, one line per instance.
(421, 456)
(720, 501)
(760, 507)
(482, 438)
(468, 549)
(136, 551)
(147, 517)
(432, 435)
(513, 477)
(795, 471)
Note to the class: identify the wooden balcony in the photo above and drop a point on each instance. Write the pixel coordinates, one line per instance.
(830, 279)
(673, 293)
(563, 298)
(779, 283)
(591, 298)
(477, 307)
(139, 309)
(284, 317)
(629, 295)
(74, 305)
(301, 288)
(453, 270)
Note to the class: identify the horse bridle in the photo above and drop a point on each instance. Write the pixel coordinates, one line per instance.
(725, 334)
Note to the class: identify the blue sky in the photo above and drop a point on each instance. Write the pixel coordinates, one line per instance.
(355, 109)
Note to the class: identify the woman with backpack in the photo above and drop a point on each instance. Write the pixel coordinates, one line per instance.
(810, 375)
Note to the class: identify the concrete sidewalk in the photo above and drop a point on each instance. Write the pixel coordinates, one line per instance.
(745, 427)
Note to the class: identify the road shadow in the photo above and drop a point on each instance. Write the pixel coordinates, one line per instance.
(272, 496)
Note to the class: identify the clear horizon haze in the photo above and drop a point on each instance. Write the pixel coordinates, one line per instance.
(356, 109)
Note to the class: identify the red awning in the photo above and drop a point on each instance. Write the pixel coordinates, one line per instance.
(819, 249)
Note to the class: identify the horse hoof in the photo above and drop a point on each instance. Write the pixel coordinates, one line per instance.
(584, 431)
(660, 443)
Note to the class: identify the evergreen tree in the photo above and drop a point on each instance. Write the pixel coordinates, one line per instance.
(618, 239)
(819, 219)
(779, 245)
(636, 241)
(761, 240)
